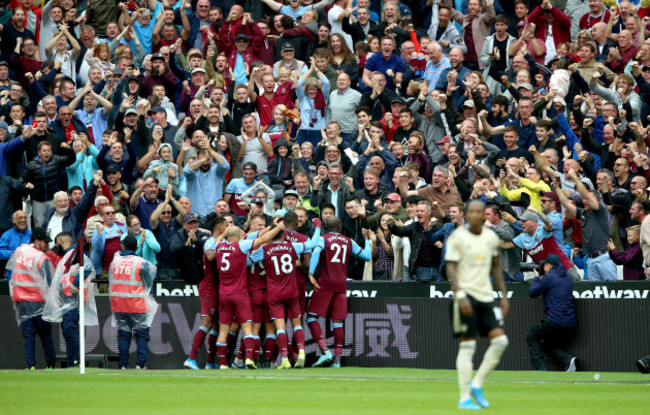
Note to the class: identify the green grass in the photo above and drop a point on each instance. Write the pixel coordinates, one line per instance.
(313, 391)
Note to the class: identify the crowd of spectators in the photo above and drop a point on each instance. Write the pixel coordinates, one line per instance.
(153, 118)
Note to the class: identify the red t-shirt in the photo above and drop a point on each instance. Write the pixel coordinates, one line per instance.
(264, 107)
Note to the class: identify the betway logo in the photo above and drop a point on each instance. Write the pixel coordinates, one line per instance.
(601, 291)
(187, 291)
(435, 293)
(352, 293)
(193, 291)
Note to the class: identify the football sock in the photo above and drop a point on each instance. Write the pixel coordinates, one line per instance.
(249, 344)
(491, 359)
(282, 342)
(256, 347)
(269, 346)
(241, 351)
(299, 337)
(222, 352)
(231, 342)
(465, 366)
(199, 338)
(338, 338)
(212, 345)
(317, 334)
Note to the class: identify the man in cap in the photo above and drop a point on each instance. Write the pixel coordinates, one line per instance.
(199, 78)
(246, 46)
(238, 186)
(187, 248)
(289, 202)
(159, 116)
(160, 75)
(31, 274)
(289, 61)
(538, 241)
(392, 203)
(552, 334)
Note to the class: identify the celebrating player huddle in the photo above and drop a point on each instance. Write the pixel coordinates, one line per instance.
(260, 278)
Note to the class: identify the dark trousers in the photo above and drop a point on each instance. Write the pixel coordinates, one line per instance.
(32, 327)
(70, 329)
(124, 340)
(550, 338)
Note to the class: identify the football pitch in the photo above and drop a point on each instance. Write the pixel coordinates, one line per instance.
(348, 390)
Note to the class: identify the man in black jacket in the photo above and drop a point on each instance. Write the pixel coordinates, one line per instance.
(424, 262)
(361, 26)
(43, 172)
(352, 229)
(187, 246)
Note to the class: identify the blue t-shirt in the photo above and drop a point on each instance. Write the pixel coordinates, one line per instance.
(525, 241)
(377, 62)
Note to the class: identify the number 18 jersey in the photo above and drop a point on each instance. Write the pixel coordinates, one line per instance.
(280, 266)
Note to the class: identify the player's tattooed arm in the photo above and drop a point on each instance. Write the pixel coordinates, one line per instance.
(548, 225)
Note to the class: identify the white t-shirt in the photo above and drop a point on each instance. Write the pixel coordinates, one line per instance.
(337, 25)
(55, 227)
(255, 152)
(474, 254)
(550, 45)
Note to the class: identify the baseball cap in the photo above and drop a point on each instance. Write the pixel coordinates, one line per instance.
(113, 168)
(191, 217)
(469, 103)
(523, 23)
(4, 63)
(117, 71)
(156, 110)
(258, 202)
(444, 140)
(133, 79)
(399, 100)
(41, 234)
(291, 193)
(394, 197)
(131, 111)
(322, 163)
(528, 215)
(552, 259)
(287, 46)
(198, 70)
(554, 196)
(157, 56)
(4, 125)
(527, 86)
(249, 165)
(242, 36)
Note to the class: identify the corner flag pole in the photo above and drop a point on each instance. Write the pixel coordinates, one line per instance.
(82, 314)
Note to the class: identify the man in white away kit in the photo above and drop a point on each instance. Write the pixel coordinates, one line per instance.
(471, 256)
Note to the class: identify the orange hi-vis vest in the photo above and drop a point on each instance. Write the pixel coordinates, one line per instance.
(67, 284)
(26, 275)
(126, 288)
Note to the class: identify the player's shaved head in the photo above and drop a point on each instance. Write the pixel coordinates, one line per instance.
(233, 233)
(334, 224)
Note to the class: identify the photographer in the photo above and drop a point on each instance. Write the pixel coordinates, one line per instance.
(552, 334)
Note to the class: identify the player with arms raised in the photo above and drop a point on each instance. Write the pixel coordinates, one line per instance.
(330, 292)
(279, 259)
(471, 256)
(232, 258)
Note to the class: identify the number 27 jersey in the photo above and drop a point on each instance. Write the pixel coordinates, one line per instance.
(335, 253)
